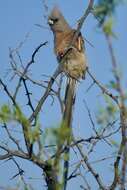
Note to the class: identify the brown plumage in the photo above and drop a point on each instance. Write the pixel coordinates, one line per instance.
(75, 62)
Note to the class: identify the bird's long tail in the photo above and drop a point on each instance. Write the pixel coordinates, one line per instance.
(67, 119)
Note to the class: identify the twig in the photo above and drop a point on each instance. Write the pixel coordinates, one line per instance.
(86, 182)
(28, 95)
(11, 153)
(82, 19)
(22, 155)
(93, 138)
(58, 93)
(43, 98)
(116, 168)
(17, 107)
(104, 90)
(20, 171)
(123, 120)
(90, 116)
(90, 168)
(8, 93)
(88, 140)
(35, 82)
(41, 84)
(12, 138)
(27, 66)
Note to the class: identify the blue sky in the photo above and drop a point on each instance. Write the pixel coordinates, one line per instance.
(18, 19)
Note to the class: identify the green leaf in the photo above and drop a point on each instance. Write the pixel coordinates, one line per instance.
(108, 28)
(112, 84)
(26, 188)
(114, 143)
(5, 109)
(104, 9)
(35, 134)
(5, 114)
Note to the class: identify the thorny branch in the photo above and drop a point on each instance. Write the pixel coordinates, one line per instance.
(17, 107)
(90, 168)
(28, 95)
(27, 66)
(104, 90)
(123, 122)
(15, 141)
(83, 18)
(8, 93)
(20, 171)
(46, 94)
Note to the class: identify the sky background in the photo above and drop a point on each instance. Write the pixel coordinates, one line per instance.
(18, 23)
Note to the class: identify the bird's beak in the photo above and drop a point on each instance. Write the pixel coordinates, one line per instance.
(50, 22)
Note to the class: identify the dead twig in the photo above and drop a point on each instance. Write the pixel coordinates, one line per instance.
(27, 66)
(104, 90)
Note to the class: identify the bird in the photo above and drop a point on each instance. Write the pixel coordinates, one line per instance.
(72, 61)
(75, 62)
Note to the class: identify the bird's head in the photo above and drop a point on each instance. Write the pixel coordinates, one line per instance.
(57, 21)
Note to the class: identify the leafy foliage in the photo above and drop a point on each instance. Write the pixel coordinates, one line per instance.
(15, 114)
(56, 135)
(108, 27)
(105, 9)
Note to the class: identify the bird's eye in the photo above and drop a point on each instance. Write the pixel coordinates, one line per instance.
(55, 20)
(52, 21)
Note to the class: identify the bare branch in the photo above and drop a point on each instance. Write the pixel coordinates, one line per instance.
(90, 168)
(8, 93)
(83, 18)
(104, 90)
(27, 66)
(28, 95)
(44, 97)
(123, 120)
(20, 171)
(12, 138)
(11, 153)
